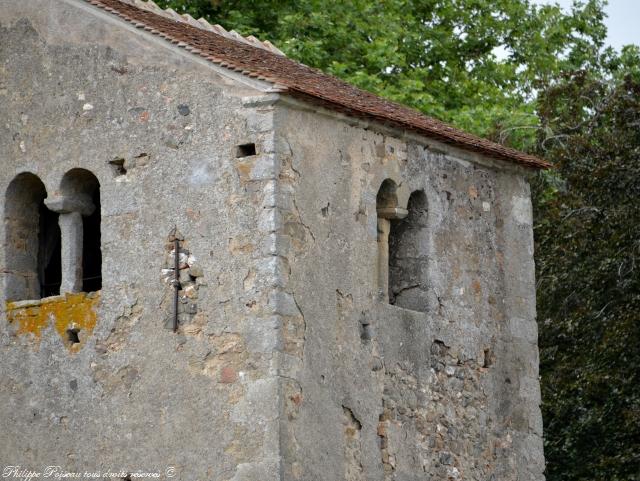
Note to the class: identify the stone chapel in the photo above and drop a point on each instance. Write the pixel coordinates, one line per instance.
(219, 264)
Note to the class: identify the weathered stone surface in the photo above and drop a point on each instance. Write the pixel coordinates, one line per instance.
(137, 402)
(286, 364)
(455, 394)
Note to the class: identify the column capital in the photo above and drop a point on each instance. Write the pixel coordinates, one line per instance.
(65, 205)
(392, 213)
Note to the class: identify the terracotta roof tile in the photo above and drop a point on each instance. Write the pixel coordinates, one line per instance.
(302, 81)
(200, 23)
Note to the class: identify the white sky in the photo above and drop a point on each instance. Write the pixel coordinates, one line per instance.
(623, 23)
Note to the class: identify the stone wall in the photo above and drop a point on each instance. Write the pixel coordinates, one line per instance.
(445, 390)
(160, 131)
(287, 363)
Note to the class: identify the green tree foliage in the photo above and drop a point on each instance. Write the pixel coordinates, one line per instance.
(588, 261)
(475, 63)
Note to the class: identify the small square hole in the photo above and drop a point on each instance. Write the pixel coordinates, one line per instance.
(72, 336)
(245, 150)
(117, 166)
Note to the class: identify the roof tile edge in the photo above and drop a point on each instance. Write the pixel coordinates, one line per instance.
(203, 24)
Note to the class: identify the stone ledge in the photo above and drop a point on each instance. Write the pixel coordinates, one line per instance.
(69, 312)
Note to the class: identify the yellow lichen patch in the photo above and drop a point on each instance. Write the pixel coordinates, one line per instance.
(73, 317)
(29, 318)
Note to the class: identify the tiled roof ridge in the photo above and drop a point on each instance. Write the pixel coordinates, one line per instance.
(306, 83)
(203, 24)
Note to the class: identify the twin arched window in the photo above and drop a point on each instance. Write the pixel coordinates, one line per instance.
(402, 248)
(52, 243)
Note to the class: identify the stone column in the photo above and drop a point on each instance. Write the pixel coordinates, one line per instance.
(71, 209)
(71, 255)
(385, 216)
(384, 226)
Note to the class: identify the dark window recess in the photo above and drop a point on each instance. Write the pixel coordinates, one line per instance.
(32, 241)
(246, 150)
(91, 252)
(408, 258)
(49, 258)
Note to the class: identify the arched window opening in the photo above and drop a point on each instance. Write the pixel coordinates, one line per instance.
(388, 210)
(32, 241)
(78, 206)
(387, 198)
(408, 256)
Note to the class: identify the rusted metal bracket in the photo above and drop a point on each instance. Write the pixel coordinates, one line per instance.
(176, 278)
(176, 281)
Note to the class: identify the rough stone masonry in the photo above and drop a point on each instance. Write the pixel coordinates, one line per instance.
(355, 297)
